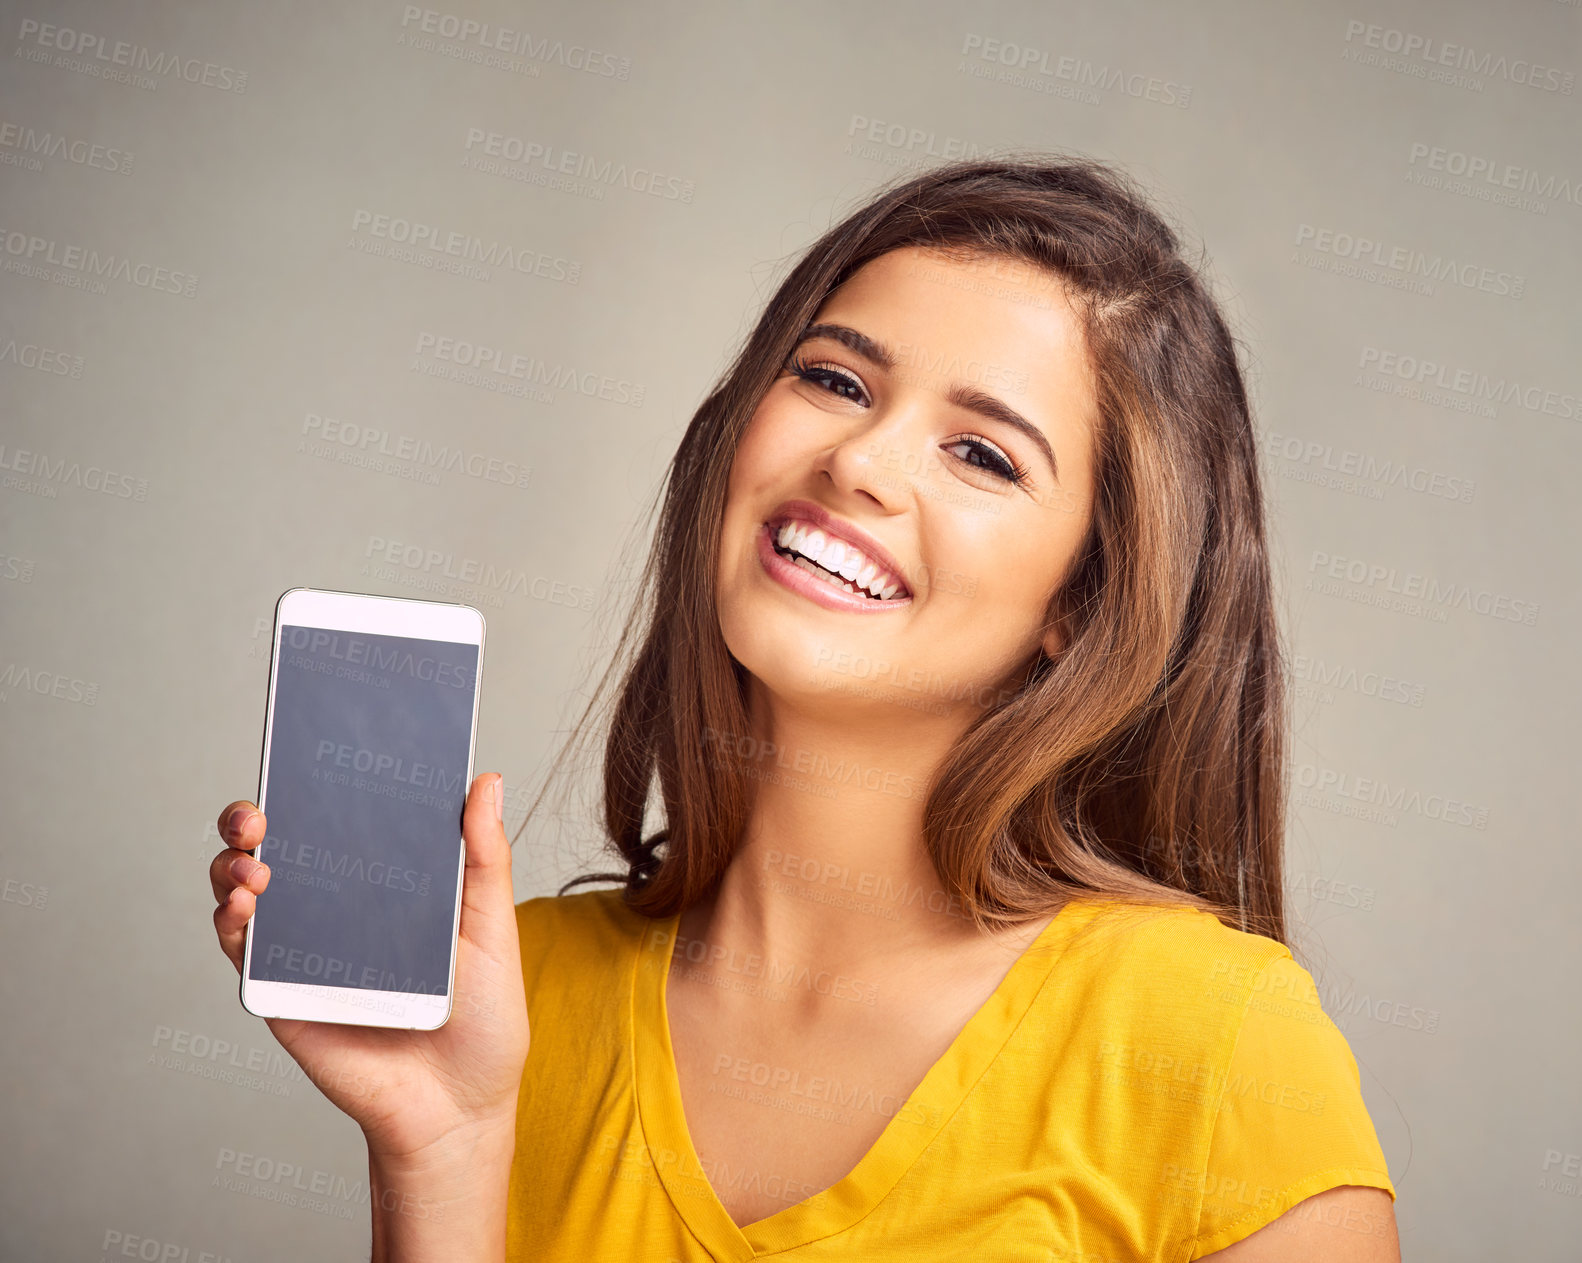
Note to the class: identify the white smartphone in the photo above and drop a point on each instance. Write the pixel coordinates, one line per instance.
(368, 746)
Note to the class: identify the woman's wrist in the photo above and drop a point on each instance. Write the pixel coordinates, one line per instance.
(446, 1201)
(435, 1154)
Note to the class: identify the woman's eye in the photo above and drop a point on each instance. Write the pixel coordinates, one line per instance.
(988, 459)
(980, 455)
(830, 379)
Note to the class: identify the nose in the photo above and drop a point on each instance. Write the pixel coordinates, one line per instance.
(881, 460)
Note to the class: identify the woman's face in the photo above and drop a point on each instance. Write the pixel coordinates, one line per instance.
(938, 421)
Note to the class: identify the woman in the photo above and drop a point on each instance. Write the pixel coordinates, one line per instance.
(959, 684)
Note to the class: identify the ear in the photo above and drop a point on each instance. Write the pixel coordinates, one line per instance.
(1054, 639)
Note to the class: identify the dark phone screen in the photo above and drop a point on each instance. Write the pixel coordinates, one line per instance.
(366, 782)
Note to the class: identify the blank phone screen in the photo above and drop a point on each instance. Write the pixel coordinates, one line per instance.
(364, 790)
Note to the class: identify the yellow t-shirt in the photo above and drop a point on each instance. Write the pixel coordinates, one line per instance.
(1144, 1084)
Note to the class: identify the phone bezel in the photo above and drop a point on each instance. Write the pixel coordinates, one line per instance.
(368, 612)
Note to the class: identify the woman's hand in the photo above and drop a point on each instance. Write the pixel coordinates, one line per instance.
(415, 1094)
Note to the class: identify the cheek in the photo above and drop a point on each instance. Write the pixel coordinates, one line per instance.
(766, 442)
(755, 468)
(770, 454)
(1003, 568)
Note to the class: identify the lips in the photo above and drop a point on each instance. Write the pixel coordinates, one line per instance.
(853, 537)
(799, 577)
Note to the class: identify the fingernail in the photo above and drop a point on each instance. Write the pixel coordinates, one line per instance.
(498, 791)
(242, 868)
(237, 821)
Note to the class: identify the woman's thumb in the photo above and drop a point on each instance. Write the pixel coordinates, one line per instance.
(486, 886)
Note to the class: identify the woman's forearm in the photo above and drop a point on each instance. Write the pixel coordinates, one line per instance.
(447, 1205)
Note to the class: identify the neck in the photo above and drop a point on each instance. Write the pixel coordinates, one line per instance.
(832, 865)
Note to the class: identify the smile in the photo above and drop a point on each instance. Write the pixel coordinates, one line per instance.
(831, 571)
(843, 565)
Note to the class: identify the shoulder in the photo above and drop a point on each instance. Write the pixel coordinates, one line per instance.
(594, 906)
(588, 929)
(1249, 1017)
(1351, 1222)
(1215, 1043)
(1178, 957)
(1151, 1001)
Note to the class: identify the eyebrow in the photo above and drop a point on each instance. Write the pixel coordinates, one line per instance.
(968, 397)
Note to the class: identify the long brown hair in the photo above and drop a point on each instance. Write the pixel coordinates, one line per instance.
(1146, 761)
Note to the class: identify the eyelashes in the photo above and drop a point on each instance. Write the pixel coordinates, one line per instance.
(831, 380)
(822, 376)
(999, 465)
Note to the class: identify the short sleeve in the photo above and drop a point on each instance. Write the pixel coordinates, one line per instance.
(1291, 1119)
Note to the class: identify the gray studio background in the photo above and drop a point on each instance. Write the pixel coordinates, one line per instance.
(1391, 201)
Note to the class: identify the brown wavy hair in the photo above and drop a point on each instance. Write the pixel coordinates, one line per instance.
(1146, 761)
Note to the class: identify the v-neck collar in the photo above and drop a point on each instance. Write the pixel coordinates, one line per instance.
(662, 1115)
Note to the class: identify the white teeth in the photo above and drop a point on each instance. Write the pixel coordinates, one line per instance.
(820, 554)
(824, 575)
